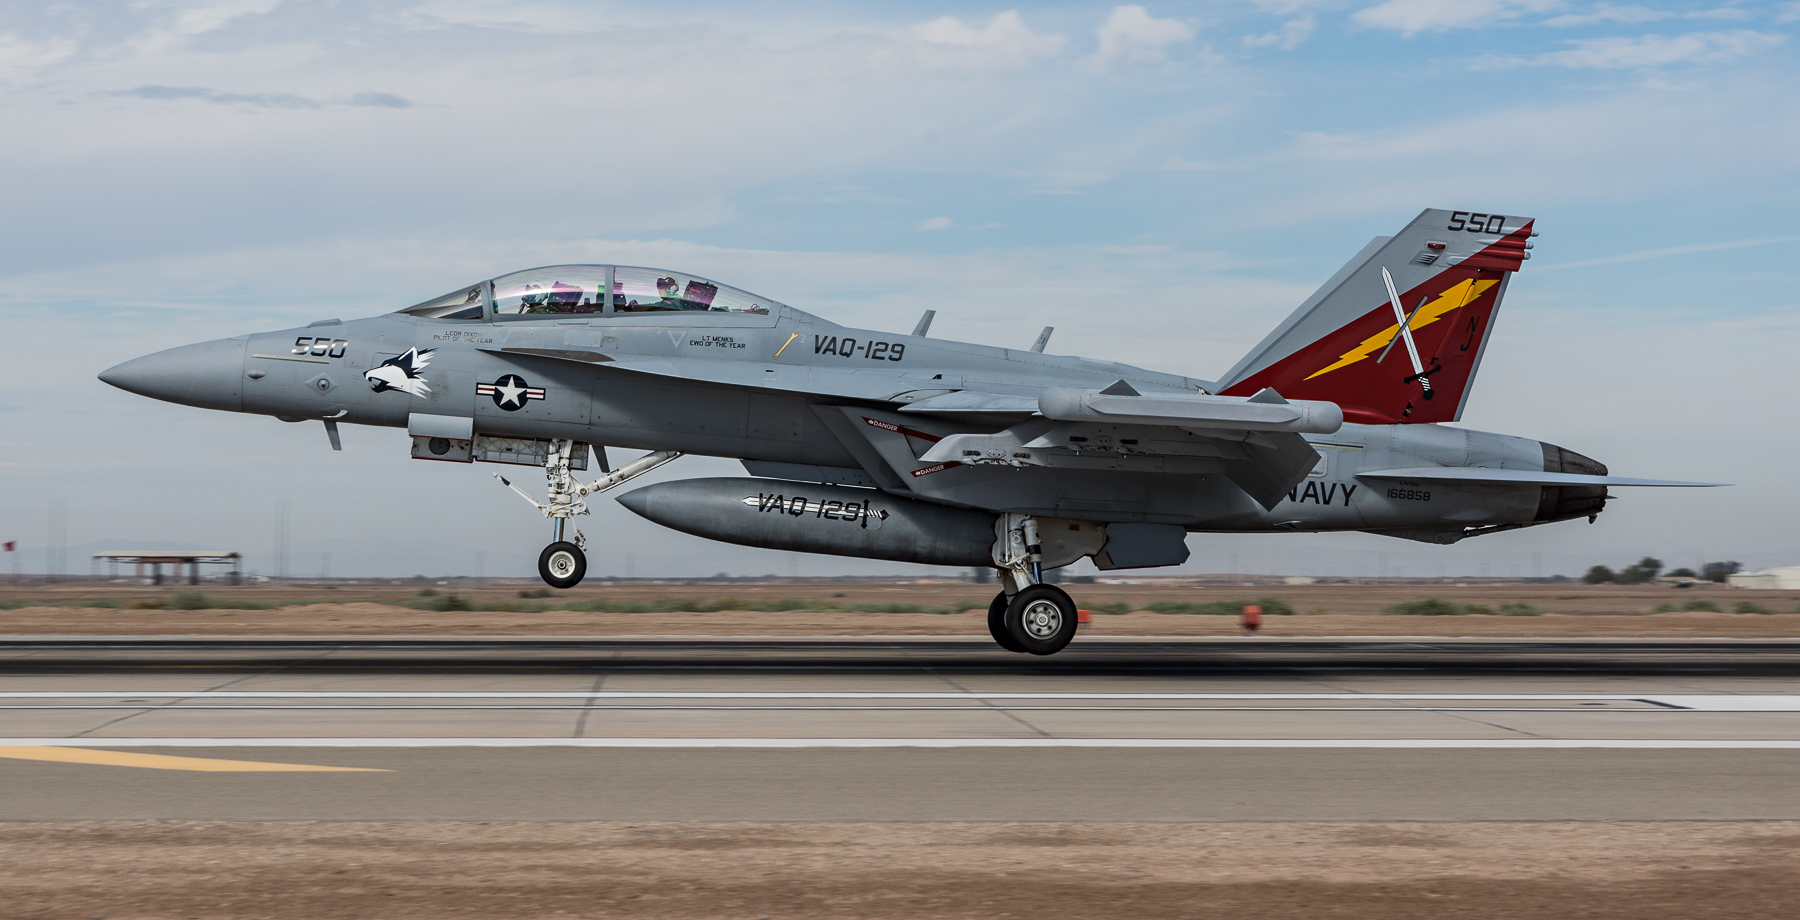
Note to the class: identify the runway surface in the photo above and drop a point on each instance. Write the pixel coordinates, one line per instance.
(897, 729)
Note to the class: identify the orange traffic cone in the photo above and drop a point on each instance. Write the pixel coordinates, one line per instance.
(1252, 619)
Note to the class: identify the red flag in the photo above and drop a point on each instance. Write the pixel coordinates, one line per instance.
(9, 545)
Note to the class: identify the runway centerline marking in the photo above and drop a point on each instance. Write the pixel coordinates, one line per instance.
(1788, 744)
(66, 752)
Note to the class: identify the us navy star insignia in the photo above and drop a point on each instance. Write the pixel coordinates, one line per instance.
(510, 392)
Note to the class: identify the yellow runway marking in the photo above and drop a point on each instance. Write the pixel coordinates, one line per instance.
(166, 762)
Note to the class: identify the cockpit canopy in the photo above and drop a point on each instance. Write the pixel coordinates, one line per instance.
(559, 289)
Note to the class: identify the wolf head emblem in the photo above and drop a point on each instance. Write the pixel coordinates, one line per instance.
(401, 372)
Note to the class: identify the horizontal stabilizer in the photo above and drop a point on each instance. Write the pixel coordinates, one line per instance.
(1522, 477)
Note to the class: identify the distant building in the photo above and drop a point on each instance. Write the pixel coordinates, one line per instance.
(1786, 577)
(156, 559)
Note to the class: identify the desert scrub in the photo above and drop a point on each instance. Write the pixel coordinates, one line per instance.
(1431, 607)
(1271, 606)
(1437, 607)
(1113, 609)
(1689, 607)
(194, 600)
(444, 602)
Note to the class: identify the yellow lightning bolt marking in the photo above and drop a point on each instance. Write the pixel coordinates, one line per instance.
(1451, 300)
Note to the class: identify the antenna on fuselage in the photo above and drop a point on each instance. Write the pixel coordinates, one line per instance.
(924, 325)
(1043, 339)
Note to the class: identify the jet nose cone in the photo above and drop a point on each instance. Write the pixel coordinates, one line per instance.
(208, 375)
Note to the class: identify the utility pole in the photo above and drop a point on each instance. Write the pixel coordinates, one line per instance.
(281, 542)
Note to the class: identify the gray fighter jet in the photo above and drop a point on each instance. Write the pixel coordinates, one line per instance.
(904, 447)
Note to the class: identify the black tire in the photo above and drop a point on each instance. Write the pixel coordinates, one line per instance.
(562, 565)
(997, 624)
(1041, 619)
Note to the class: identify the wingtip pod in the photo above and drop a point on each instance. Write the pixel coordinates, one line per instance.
(1266, 411)
(1443, 276)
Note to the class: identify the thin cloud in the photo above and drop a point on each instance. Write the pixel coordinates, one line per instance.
(257, 100)
(1175, 163)
(1291, 34)
(381, 100)
(1646, 254)
(1607, 12)
(260, 100)
(1132, 36)
(1410, 17)
(1006, 39)
(1646, 51)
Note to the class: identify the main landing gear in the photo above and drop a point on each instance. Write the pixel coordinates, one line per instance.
(563, 563)
(1029, 616)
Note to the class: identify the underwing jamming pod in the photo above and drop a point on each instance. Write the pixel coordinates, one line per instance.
(810, 517)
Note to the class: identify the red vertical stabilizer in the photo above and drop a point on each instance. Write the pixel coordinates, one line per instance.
(1450, 269)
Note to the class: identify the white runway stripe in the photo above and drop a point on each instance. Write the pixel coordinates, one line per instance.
(1717, 702)
(1783, 744)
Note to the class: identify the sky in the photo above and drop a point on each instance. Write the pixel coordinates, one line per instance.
(1162, 183)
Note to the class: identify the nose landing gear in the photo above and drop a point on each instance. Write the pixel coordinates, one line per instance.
(563, 564)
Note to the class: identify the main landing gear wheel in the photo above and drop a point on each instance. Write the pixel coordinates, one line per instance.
(997, 624)
(562, 564)
(1041, 619)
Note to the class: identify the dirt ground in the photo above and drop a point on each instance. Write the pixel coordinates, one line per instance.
(1303, 871)
(1572, 611)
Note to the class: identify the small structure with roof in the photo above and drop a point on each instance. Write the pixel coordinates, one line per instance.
(193, 559)
(1786, 577)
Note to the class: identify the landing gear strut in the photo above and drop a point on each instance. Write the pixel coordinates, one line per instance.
(1029, 616)
(563, 564)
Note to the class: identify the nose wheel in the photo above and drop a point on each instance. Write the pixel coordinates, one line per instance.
(562, 564)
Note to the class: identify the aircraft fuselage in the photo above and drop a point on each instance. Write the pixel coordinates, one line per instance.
(794, 396)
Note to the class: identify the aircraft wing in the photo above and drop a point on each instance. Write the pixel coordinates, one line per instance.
(1521, 477)
(1254, 442)
(961, 401)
